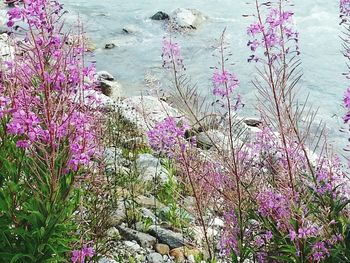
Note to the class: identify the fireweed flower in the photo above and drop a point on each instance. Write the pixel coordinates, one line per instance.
(274, 33)
(168, 137)
(47, 105)
(171, 55)
(344, 8)
(78, 256)
(224, 83)
(230, 235)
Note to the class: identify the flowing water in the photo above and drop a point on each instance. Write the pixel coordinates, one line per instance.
(139, 52)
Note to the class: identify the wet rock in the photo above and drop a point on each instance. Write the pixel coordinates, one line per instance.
(104, 75)
(145, 240)
(252, 122)
(166, 236)
(150, 169)
(178, 254)
(185, 18)
(162, 249)
(109, 46)
(160, 16)
(154, 258)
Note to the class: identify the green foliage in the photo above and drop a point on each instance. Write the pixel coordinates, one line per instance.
(35, 216)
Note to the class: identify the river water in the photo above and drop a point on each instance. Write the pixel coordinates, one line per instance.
(139, 52)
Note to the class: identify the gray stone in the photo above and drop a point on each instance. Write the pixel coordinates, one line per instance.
(160, 16)
(104, 75)
(145, 240)
(111, 89)
(148, 202)
(149, 214)
(132, 245)
(155, 258)
(209, 138)
(146, 111)
(117, 216)
(106, 260)
(6, 50)
(166, 236)
(185, 18)
(150, 168)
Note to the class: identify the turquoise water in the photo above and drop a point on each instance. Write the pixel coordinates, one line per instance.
(137, 53)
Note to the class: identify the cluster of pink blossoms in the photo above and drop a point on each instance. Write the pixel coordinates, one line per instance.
(344, 8)
(78, 256)
(224, 83)
(168, 137)
(275, 34)
(171, 55)
(47, 77)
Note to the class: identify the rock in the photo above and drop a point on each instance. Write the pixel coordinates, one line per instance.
(184, 18)
(160, 16)
(104, 75)
(165, 236)
(131, 245)
(111, 89)
(162, 249)
(209, 138)
(178, 254)
(6, 50)
(252, 122)
(113, 233)
(149, 214)
(154, 258)
(150, 169)
(106, 260)
(117, 216)
(146, 111)
(191, 259)
(145, 240)
(149, 202)
(217, 222)
(109, 46)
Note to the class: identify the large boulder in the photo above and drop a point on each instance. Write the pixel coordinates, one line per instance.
(186, 18)
(146, 111)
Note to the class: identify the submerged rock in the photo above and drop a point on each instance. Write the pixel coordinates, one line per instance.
(109, 46)
(185, 18)
(160, 16)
